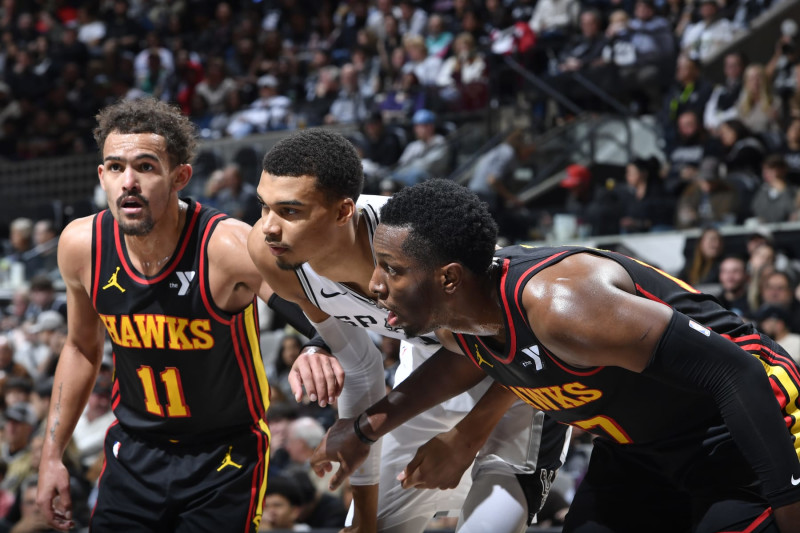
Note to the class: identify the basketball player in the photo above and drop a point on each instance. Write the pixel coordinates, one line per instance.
(314, 246)
(683, 397)
(171, 284)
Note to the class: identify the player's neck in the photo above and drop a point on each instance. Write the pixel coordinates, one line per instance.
(349, 260)
(149, 253)
(476, 310)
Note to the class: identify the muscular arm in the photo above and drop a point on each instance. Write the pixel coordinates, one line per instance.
(75, 375)
(646, 336)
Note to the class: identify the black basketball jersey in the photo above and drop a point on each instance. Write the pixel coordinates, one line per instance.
(182, 366)
(611, 402)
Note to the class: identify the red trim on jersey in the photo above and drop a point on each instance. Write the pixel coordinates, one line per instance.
(175, 260)
(650, 295)
(248, 361)
(204, 295)
(259, 474)
(512, 348)
(97, 254)
(755, 523)
(572, 371)
(462, 341)
(115, 386)
(247, 381)
(776, 359)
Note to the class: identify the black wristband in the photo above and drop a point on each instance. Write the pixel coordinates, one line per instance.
(360, 434)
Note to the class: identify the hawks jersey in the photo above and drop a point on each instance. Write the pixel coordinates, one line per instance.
(611, 402)
(341, 302)
(183, 366)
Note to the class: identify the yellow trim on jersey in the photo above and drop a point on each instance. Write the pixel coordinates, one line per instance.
(792, 393)
(251, 331)
(262, 491)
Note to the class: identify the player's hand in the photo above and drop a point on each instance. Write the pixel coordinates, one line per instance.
(53, 497)
(319, 373)
(440, 463)
(340, 445)
(788, 518)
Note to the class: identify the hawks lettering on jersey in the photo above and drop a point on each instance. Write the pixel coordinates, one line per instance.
(159, 331)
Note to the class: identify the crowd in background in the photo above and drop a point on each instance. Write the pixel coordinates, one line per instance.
(393, 69)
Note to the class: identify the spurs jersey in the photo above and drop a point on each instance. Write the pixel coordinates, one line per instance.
(183, 366)
(611, 402)
(343, 303)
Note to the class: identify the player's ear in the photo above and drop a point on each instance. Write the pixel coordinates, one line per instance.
(450, 277)
(347, 209)
(182, 177)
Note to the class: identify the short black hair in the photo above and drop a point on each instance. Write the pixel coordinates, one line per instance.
(448, 223)
(149, 115)
(323, 154)
(285, 487)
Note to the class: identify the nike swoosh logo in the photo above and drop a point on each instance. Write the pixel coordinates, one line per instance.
(331, 295)
(795, 481)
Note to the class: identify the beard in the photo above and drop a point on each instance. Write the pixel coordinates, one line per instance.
(138, 228)
(285, 265)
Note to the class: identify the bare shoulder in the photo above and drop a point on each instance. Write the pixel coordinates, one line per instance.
(283, 282)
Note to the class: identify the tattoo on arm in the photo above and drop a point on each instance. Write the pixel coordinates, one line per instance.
(57, 418)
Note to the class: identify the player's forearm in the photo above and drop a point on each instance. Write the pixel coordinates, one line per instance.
(474, 429)
(72, 385)
(365, 502)
(442, 376)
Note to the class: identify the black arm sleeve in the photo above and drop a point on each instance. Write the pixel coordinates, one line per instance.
(292, 313)
(742, 391)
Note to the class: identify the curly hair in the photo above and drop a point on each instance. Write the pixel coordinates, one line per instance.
(149, 115)
(447, 223)
(323, 154)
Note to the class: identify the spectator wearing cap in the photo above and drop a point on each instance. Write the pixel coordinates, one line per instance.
(775, 200)
(93, 423)
(17, 390)
(20, 421)
(773, 320)
(270, 111)
(710, 34)
(426, 157)
(9, 369)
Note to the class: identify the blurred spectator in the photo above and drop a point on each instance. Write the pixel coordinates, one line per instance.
(653, 38)
(17, 390)
(238, 198)
(553, 20)
(685, 155)
(733, 280)
(320, 509)
(270, 111)
(367, 66)
(288, 350)
(412, 20)
(31, 519)
(153, 45)
(404, 98)
(380, 147)
(758, 109)
(282, 506)
(9, 368)
(35, 355)
(437, 38)
(688, 92)
(492, 180)
(424, 66)
(426, 157)
(743, 155)
(703, 268)
(10, 109)
(585, 47)
(710, 34)
(462, 78)
(778, 290)
(279, 416)
(780, 69)
(791, 151)
(20, 240)
(121, 30)
(775, 199)
(710, 199)
(14, 314)
(327, 89)
(774, 321)
(217, 85)
(722, 105)
(20, 421)
(761, 263)
(645, 206)
(349, 105)
(43, 258)
(43, 297)
(93, 423)
(595, 208)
